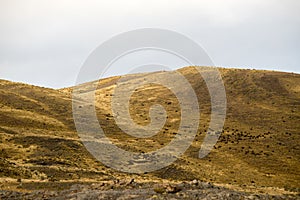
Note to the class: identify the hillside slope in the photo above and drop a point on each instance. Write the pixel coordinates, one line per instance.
(258, 150)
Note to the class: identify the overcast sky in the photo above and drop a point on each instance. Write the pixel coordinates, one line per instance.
(46, 42)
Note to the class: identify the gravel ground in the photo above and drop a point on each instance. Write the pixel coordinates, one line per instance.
(132, 190)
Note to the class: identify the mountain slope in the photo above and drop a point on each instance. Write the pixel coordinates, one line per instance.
(257, 151)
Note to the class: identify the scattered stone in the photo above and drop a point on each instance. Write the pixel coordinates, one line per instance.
(184, 190)
(172, 189)
(195, 182)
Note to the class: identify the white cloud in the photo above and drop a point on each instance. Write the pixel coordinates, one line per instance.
(57, 36)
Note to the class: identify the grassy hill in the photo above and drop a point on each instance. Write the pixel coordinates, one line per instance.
(258, 150)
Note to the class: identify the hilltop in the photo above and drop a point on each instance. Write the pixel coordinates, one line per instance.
(257, 152)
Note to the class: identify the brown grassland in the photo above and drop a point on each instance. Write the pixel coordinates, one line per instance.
(258, 150)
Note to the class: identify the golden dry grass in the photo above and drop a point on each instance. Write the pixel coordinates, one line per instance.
(258, 149)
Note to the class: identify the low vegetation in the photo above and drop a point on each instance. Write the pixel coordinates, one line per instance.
(258, 150)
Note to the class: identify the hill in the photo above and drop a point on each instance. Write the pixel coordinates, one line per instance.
(258, 150)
